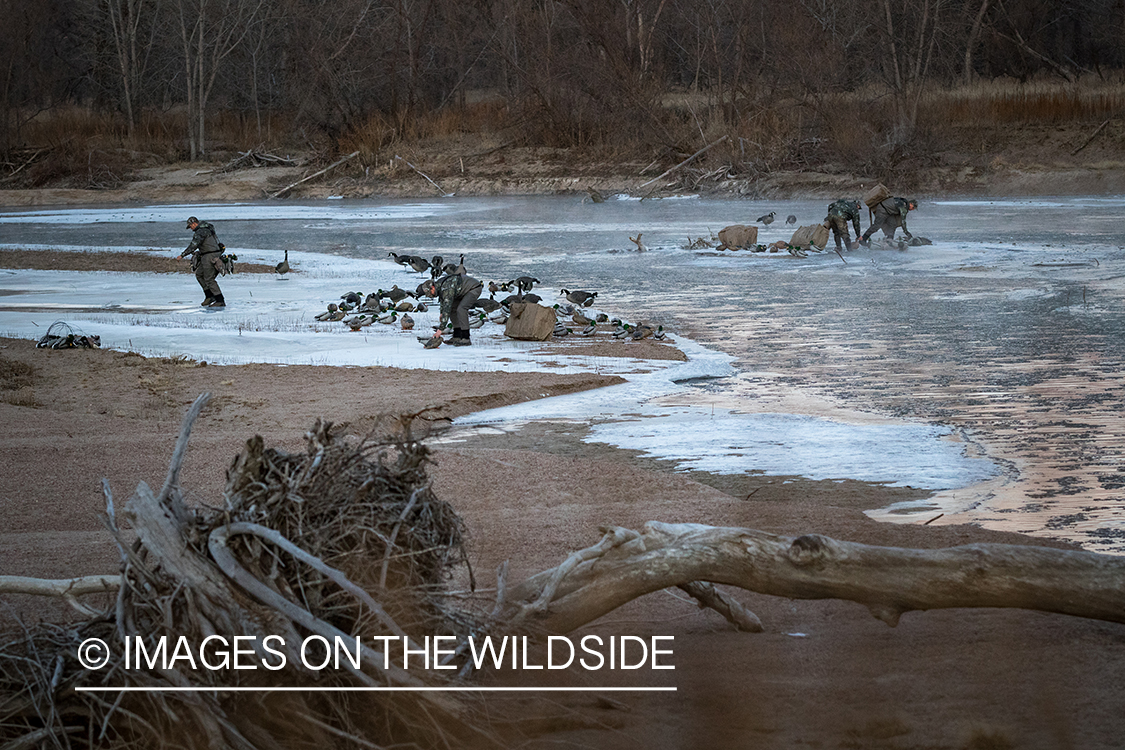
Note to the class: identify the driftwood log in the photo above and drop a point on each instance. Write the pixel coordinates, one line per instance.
(331, 543)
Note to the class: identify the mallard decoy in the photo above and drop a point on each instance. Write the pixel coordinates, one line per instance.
(332, 308)
(601, 318)
(643, 331)
(387, 318)
(564, 308)
(352, 299)
(477, 322)
(561, 330)
(370, 303)
(394, 294)
(358, 322)
(659, 334)
(585, 299)
(338, 315)
(405, 306)
(499, 318)
(768, 218)
(589, 330)
(580, 319)
(432, 342)
(406, 322)
(622, 331)
(283, 267)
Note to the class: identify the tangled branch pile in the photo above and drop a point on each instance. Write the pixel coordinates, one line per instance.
(308, 536)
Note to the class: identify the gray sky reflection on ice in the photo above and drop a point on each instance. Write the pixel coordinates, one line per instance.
(1014, 305)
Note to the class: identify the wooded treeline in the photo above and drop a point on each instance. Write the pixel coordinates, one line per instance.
(569, 73)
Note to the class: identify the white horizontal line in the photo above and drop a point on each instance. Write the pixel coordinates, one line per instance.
(358, 689)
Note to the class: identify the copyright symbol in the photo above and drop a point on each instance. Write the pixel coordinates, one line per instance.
(93, 653)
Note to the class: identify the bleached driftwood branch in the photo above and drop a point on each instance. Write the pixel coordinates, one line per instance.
(889, 581)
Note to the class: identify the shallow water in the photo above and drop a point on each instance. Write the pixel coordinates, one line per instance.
(986, 367)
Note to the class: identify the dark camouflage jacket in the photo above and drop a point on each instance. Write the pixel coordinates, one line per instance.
(847, 210)
(897, 207)
(203, 241)
(451, 288)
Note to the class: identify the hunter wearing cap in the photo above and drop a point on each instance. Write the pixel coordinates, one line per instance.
(889, 216)
(458, 292)
(206, 260)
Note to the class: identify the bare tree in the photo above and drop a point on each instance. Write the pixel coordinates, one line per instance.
(133, 24)
(209, 31)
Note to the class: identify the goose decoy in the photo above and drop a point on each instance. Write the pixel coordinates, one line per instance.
(791, 219)
(768, 218)
(532, 298)
(436, 263)
(511, 298)
(402, 260)
(283, 267)
(585, 299)
(487, 304)
(406, 322)
(418, 263)
(524, 283)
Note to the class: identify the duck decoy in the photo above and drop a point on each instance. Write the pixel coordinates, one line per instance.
(406, 322)
(659, 333)
(352, 299)
(283, 267)
(394, 294)
(564, 308)
(601, 318)
(622, 331)
(326, 315)
(561, 330)
(432, 342)
(499, 318)
(589, 330)
(580, 319)
(405, 306)
(477, 322)
(642, 331)
(421, 307)
(370, 303)
(387, 318)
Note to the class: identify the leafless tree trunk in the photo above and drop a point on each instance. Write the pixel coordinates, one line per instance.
(126, 18)
(209, 31)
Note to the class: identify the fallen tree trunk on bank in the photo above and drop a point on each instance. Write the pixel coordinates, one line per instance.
(341, 543)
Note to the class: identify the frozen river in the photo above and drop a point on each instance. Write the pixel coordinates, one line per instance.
(986, 367)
